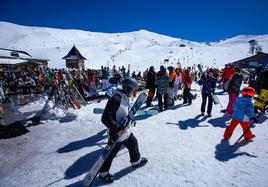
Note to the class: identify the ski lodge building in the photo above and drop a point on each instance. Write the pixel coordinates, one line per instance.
(252, 61)
(11, 59)
(74, 59)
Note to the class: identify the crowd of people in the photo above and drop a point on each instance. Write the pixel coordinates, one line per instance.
(70, 87)
(164, 86)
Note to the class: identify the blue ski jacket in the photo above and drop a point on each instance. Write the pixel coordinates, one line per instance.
(243, 109)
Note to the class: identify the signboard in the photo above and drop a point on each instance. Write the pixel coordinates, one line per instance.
(253, 63)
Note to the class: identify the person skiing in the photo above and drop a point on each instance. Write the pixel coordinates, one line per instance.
(243, 111)
(208, 83)
(113, 116)
(150, 84)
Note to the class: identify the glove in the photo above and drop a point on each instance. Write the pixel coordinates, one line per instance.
(115, 128)
(254, 119)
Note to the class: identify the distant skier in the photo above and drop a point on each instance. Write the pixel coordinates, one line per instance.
(113, 116)
(243, 111)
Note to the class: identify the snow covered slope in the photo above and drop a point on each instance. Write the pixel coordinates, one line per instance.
(183, 148)
(141, 48)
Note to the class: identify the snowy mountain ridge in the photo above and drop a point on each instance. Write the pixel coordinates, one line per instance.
(140, 48)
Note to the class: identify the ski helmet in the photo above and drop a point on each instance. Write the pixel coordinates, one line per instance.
(130, 83)
(248, 91)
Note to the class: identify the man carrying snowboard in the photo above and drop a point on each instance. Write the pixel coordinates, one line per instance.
(113, 116)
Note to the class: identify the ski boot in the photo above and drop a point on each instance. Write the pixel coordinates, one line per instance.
(142, 163)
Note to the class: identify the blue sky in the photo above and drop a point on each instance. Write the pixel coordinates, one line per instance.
(197, 20)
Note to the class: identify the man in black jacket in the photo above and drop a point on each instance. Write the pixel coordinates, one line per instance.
(113, 116)
(150, 84)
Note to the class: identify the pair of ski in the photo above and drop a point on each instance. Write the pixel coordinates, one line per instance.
(69, 95)
(93, 172)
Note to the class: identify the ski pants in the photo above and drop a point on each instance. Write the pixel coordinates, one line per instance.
(131, 144)
(232, 99)
(160, 101)
(244, 124)
(204, 102)
(150, 97)
(187, 98)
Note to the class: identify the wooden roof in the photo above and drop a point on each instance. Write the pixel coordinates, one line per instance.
(252, 61)
(74, 54)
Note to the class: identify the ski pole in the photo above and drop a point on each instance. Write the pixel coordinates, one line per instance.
(244, 132)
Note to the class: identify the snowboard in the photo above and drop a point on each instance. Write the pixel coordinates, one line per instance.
(139, 112)
(93, 172)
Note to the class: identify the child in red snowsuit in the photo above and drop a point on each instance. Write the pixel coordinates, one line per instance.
(243, 111)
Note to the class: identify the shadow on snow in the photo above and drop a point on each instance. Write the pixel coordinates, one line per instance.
(225, 152)
(88, 142)
(193, 122)
(219, 122)
(82, 165)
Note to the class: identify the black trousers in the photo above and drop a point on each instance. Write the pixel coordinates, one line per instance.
(204, 102)
(187, 98)
(131, 144)
(160, 101)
